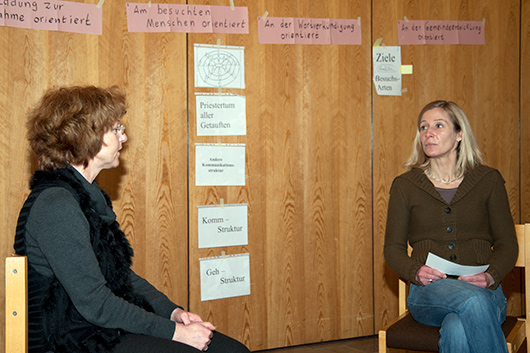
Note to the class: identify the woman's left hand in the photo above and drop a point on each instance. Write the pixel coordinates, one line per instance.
(483, 280)
(185, 318)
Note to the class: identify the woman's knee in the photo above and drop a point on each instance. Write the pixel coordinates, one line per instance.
(478, 301)
(225, 344)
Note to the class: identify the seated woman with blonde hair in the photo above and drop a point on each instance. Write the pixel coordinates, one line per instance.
(451, 204)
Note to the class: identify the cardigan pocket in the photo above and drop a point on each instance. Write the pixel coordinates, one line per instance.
(483, 251)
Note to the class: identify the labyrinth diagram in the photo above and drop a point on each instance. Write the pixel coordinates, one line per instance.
(221, 67)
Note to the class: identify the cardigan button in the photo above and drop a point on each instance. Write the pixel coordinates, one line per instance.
(451, 246)
(452, 257)
(448, 210)
(450, 229)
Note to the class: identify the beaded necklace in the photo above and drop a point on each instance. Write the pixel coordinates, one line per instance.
(428, 172)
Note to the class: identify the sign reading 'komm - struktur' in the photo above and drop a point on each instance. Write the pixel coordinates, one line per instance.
(225, 225)
(142, 17)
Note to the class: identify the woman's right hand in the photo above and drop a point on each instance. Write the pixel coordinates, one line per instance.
(427, 275)
(195, 334)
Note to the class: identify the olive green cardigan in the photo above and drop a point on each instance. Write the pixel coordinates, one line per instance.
(475, 228)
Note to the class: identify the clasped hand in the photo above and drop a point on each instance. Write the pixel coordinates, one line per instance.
(427, 275)
(191, 330)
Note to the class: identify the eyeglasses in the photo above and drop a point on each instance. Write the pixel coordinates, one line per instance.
(119, 128)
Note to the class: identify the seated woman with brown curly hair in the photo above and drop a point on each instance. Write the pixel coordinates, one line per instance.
(84, 296)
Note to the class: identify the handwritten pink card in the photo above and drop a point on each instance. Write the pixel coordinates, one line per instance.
(287, 30)
(186, 18)
(52, 15)
(440, 32)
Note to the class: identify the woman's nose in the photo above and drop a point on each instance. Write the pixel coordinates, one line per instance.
(123, 137)
(428, 131)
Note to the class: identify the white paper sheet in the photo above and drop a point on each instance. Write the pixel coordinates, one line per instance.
(387, 70)
(219, 66)
(225, 276)
(452, 269)
(219, 164)
(220, 114)
(222, 225)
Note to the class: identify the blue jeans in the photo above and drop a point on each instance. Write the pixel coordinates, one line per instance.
(469, 317)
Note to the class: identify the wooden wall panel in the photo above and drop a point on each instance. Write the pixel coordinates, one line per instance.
(150, 187)
(307, 185)
(31, 61)
(525, 111)
(482, 79)
(317, 180)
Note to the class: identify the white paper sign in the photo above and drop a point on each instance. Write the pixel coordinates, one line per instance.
(219, 66)
(219, 164)
(225, 277)
(220, 115)
(450, 268)
(223, 226)
(387, 70)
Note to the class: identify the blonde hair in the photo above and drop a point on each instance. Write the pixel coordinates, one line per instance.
(468, 153)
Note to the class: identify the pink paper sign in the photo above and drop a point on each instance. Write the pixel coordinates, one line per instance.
(289, 30)
(186, 18)
(440, 32)
(52, 15)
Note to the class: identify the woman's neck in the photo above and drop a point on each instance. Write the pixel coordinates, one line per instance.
(444, 170)
(86, 172)
(443, 173)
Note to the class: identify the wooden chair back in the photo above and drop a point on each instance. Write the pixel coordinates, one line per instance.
(16, 305)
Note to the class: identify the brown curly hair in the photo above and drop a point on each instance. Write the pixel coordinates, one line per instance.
(68, 124)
